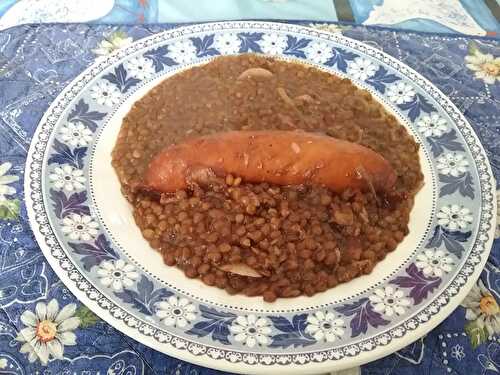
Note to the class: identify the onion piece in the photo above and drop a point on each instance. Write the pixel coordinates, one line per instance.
(240, 269)
(256, 73)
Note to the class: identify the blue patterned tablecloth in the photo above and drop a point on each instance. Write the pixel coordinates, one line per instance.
(37, 62)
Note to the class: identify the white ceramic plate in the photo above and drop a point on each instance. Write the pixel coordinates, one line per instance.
(86, 230)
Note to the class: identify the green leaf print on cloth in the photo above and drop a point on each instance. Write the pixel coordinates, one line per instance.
(87, 317)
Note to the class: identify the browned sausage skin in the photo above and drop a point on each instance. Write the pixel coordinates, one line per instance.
(278, 157)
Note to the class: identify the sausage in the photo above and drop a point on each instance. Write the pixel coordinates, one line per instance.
(273, 156)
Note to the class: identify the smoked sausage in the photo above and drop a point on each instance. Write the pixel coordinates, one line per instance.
(274, 156)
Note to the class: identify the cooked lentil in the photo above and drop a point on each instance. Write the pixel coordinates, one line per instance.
(289, 241)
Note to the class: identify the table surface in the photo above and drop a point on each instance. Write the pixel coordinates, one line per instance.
(38, 61)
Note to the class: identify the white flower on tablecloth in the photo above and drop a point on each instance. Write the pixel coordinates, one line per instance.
(117, 274)
(452, 164)
(454, 217)
(457, 352)
(485, 66)
(79, 227)
(251, 330)
(325, 326)
(48, 330)
(5, 180)
(3, 363)
(319, 52)
(105, 93)
(497, 229)
(401, 93)
(482, 307)
(68, 178)
(177, 312)
(182, 51)
(389, 300)
(112, 43)
(273, 44)
(432, 126)
(434, 263)
(227, 43)
(76, 134)
(361, 68)
(139, 67)
(330, 27)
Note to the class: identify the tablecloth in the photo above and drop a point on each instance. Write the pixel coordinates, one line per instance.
(38, 61)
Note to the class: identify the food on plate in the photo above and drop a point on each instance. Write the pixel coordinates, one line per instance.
(278, 157)
(294, 219)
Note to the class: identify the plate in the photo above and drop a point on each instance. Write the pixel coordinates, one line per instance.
(86, 231)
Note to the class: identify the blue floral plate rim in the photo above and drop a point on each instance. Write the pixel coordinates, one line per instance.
(299, 339)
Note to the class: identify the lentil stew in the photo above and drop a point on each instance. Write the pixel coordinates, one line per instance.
(258, 238)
